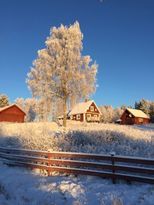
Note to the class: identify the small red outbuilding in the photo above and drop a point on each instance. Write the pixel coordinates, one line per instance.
(12, 113)
(134, 116)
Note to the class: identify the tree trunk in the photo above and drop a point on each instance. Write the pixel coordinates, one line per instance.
(64, 111)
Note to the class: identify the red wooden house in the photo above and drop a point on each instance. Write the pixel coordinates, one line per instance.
(12, 113)
(85, 111)
(134, 116)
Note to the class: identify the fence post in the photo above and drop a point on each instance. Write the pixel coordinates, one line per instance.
(113, 168)
(49, 164)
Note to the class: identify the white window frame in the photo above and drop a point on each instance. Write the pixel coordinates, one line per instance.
(92, 108)
(78, 116)
(88, 117)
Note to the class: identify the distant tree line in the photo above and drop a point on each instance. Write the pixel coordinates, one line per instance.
(42, 110)
(110, 114)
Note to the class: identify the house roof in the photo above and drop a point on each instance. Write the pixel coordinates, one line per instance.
(82, 107)
(137, 113)
(6, 107)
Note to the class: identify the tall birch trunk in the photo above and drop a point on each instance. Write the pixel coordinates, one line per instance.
(64, 111)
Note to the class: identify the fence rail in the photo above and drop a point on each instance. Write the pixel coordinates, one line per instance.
(108, 166)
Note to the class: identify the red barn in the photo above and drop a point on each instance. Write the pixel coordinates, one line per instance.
(12, 113)
(85, 111)
(134, 116)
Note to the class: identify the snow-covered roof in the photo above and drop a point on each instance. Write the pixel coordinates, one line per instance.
(6, 107)
(137, 113)
(82, 107)
(60, 116)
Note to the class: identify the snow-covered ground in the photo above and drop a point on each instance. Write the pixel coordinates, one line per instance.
(93, 138)
(19, 186)
(146, 127)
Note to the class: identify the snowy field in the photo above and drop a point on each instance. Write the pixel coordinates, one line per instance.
(146, 127)
(93, 138)
(19, 186)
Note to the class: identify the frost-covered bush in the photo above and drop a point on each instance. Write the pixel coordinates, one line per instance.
(92, 138)
(105, 142)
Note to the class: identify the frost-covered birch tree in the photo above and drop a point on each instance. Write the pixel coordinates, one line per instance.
(61, 70)
(29, 106)
(4, 100)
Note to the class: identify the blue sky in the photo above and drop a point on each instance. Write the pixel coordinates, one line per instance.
(118, 34)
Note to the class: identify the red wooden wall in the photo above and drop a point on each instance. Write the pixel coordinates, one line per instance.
(127, 120)
(12, 114)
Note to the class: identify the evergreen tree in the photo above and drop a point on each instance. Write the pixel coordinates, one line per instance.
(143, 105)
(152, 111)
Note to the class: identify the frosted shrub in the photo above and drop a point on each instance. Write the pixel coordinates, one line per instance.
(102, 142)
(92, 138)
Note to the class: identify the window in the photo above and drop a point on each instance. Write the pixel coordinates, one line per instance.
(92, 108)
(78, 117)
(88, 117)
(95, 117)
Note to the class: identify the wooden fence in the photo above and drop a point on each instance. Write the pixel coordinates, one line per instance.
(107, 166)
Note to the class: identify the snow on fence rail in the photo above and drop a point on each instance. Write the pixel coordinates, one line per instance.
(109, 166)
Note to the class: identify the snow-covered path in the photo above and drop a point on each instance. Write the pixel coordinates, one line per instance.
(19, 186)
